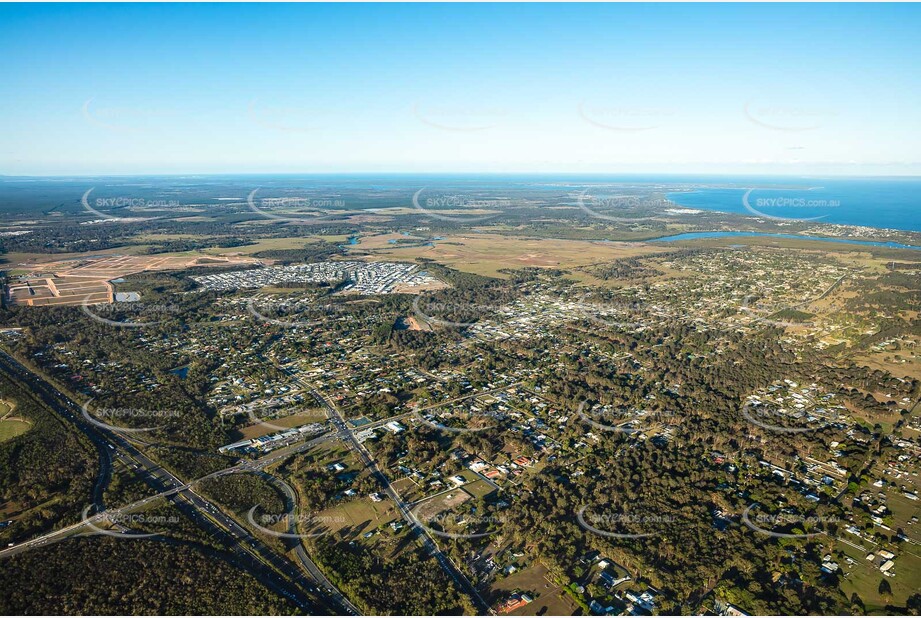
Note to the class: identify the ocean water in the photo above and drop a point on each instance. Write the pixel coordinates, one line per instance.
(893, 203)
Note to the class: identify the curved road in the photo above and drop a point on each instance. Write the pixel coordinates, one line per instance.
(269, 568)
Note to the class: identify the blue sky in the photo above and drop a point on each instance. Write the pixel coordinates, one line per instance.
(126, 89)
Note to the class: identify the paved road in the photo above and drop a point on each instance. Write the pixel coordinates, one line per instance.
(268, 567)
(249, 551)
(300, 552)
(405, 509)
(12, 367)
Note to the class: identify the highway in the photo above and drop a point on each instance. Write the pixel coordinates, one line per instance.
(299, 551)
(248, 551)
(272, 570)
(423, 535)
(405, 509)
(12, 367)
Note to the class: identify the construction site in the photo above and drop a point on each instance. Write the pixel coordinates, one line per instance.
(89, 281)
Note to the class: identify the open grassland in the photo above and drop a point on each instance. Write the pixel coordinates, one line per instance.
(903, 509)
(353, 518)
(110, 266)
(487, 254)
(904, 368)
(17, 263)
(864, 578)
(479, 489)
(12, 427)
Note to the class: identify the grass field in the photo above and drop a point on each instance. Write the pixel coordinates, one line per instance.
(903, 509)
(355, 517)
(10, 428)
(145, 242)
(487, 254)
(864, 577)
(479, 489)
(15, 260)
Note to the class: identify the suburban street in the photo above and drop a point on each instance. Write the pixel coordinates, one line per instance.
(405, 509)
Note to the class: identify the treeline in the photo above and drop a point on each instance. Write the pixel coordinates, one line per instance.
(46, 474)
(410, 584)
(310, 252)
(193, 244)
(241, 492)
(671, 493)
(107, 576)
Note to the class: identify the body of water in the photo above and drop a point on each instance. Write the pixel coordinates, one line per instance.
(893, 203)
(871, 243)
(881, 202)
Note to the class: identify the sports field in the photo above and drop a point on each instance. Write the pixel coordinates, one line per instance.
(10, 425)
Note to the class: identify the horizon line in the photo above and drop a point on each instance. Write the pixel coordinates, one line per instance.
(464, 173)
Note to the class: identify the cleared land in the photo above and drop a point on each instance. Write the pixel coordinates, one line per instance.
(356, 517)
(549, 598)
(487, 254)
(73, 282)
(11, 426)
(272, 425)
